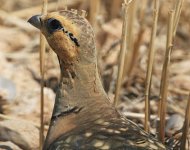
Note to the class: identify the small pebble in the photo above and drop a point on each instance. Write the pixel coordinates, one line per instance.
(8, 88)
(174, 123)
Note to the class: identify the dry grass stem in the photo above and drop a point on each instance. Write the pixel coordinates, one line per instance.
(177, 14)
(150, 65)
(137, 43)
(143, 11)
(135, 54)
(122, 54)
(185, 126)
(130, 38)
(42, 53)
(136, 46)
(94, 10)
(165, 74)
(42, 60)
(176, 109)
(178, 91)
(138, 115)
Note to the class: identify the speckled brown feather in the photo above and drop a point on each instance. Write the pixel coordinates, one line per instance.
(83, 117)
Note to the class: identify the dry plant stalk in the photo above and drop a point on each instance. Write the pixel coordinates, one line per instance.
(130, 38)
(135, 54)
(137, 42)
(150, 65)
(94, 10)
(143, 10)
(178, 9)
(185, 126)
(122, 53)
(115, 8)
(42, 60)
(132, 115)
(176, 109)
(165, 74)
(179, 91)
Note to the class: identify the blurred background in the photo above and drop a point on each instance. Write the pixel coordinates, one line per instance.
(20, 66)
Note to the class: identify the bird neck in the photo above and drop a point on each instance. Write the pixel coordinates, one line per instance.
(80, 89)
(80, 80)
(80, 100)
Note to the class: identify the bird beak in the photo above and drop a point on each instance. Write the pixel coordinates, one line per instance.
(35, 21)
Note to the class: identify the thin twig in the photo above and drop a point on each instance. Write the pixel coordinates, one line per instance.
(165, 74)
(150, 65)
(178, 91)
(138, 115)
(177, 7)
(143, 11)
(137, 44)
(185, 126)
(177, 14)
(130, 38)
(94, 10)
(122, 53)
(42, 59)
(135, 55)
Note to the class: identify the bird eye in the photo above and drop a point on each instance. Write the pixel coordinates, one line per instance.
(54, 25)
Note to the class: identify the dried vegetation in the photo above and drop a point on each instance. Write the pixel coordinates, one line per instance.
(152, 78)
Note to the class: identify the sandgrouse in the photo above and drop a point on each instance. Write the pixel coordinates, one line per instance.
(83, 117)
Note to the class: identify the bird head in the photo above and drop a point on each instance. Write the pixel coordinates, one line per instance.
(68, 34)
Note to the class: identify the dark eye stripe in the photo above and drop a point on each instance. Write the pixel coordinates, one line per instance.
(71, 36)
(75, 41)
